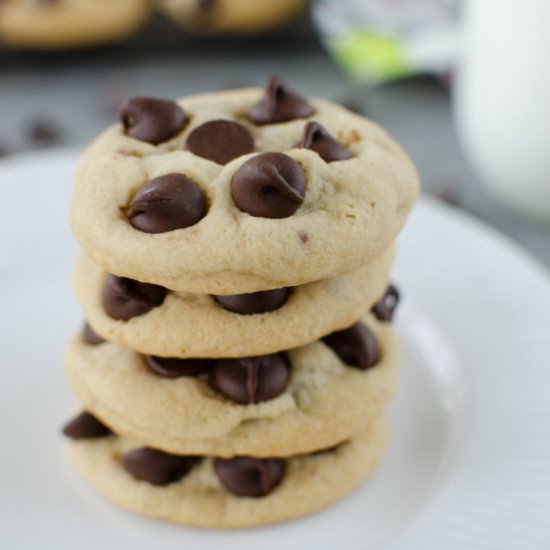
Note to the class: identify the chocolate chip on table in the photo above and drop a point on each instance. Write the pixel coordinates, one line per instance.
(85, 426)
(279, 104)
(43, 132)
(173, 367)
(385, 308)
(124, 298)
(254, 302)
(167, 203)
(220, 141)
(90, 337)
(251, 379)
(152, 120)
(157, 467)
(246, 476)
(447, 193)
(316, 138)
(206, 4)
(356, 346)
(269, 185)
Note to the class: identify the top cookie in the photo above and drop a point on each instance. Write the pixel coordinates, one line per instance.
(240, 191)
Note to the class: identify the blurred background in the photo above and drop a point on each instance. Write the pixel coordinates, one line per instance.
(462, 85)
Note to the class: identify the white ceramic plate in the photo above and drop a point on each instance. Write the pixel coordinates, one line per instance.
(468, 466)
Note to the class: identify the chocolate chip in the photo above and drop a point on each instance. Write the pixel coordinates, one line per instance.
(319, 140)
(254, 302)
(167, 203)
(43, 132)
(152, 120)
(124, 298)
(90, 337)
(206, 4)
(220, 141)
(447, 193)
(172, 367)
(269, 185)
(251, 379)
(356, 346)
(279, 104)
(85, 426)
(157, 467)
(385, 308)
(245, 476)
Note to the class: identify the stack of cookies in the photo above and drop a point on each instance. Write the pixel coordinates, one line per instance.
(238, 356)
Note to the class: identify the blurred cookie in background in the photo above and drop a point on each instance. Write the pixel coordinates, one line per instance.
(58, 24)
(232, 16)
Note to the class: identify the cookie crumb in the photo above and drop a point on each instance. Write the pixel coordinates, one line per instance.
(129, 153)
(354, 137)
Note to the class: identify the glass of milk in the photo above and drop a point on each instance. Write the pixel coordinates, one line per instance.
(502, 99)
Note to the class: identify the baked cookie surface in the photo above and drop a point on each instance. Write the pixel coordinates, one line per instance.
(308, 482)
(330, 389)
(198, 325)
(273, 216)
(51, 24)
(231, 16)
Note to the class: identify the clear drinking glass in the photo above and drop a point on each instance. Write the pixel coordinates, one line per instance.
(502, 99)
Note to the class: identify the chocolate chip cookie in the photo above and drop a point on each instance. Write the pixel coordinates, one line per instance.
(278, 404)
(56, 24)
(219, 493)
(240, 191)
(232, 16)
(182, 324)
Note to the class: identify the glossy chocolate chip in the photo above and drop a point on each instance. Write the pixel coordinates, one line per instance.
(245, 476)
(152, 120)
(205, 5)
(316, 138)
(90, 337)
(279, 104)
(269, 185)
(384, 309)
(254, 302)
(251, 379)
(172, 367)
(157, 467)
(167, 203)
(220, 141)
(85, 426)
(356, 346)
(124, 298)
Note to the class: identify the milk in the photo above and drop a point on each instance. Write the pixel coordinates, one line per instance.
(502, 99)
